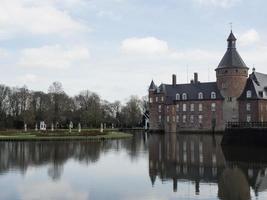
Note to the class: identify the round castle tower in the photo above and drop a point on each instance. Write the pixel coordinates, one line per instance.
(232, 72)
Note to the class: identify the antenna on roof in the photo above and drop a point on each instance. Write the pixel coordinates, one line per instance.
(208, 74)
(187, 73)
(231, 26)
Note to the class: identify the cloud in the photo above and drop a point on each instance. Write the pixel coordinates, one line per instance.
(155, 48)
(28, 78)
(24, 17)
(58, 190)
(218, 3)
(53, 57)
(108, 14)
(3, 53)
(144, 46)
(249, 37)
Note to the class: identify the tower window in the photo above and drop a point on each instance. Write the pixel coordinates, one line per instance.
(248, 107)
(213, 107)
(249, 94)
(177, 96)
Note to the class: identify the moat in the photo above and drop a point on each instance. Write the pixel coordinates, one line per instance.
(146, 166)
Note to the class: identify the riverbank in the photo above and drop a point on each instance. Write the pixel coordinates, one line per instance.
(92, 134)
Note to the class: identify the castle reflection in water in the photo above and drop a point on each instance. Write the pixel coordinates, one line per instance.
(198, 159)
(201, 159)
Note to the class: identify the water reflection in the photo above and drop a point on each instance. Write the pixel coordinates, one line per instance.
(200, 158)
(22, 155)
(172, 159)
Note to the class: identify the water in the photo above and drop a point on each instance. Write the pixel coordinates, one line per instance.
(146, 167)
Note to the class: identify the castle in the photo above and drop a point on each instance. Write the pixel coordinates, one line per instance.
(234, 97)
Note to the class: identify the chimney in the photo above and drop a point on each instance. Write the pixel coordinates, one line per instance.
(173, 79)
(195, 77)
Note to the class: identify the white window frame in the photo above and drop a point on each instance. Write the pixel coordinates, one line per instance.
(248, 107)
(184, 96)
(184, 118)
(248, 118)
(184, 107)
(200, 95)
(177, 118)
(213, 107)
(192, 107)
(177, 96)
(200, 119)
(213, 95)
(200, 107)
(177, 107)
(191, 119)
(159, 108)
(168, 118)
(249, 94)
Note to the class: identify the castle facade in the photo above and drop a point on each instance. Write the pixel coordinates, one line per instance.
(236, 96)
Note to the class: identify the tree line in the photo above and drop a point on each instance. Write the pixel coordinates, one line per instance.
(19, 105)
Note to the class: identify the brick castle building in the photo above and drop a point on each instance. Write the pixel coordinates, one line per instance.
(234, 97)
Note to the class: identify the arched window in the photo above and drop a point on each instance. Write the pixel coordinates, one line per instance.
(177, 96)
(249, 94)
(200, 95)
(184, 96)
(213, 95)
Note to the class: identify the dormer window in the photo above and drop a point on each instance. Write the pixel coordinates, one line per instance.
(184, 96)
(177, 96)
(200, 95)
(213, 95)
(249, 94)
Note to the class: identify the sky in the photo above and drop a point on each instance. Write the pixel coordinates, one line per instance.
(116, 47)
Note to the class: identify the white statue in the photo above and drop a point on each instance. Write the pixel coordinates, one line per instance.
(79, 127)
(52, 127)
(36, 127)
(25, 127)
(42, 126)
(70, 126)
(112, 126)
(101, 128)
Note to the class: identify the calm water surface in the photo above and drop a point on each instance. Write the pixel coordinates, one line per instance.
(146, 167)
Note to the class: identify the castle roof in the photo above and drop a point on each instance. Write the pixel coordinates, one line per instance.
(257, 84)
(152, 86)
(231, 58)
(192, 90)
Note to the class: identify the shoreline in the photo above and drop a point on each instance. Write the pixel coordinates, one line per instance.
(31, 137)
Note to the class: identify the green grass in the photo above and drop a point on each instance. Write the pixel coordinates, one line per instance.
(62, 135)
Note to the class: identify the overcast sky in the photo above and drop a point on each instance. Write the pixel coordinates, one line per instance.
(116, 47)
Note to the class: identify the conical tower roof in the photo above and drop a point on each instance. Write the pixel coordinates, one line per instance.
(152, 86)
(231, 58)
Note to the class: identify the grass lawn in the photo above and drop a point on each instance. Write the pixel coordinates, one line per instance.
(88, 134)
